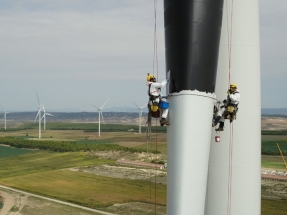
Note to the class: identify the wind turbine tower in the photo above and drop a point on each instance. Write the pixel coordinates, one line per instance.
(234, 171)
(4, 116)
(39, 115)
(100, 114)
(192, 37)
(140, 116)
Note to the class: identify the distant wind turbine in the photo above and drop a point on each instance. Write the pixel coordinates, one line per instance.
(100, 114)
(40, 108)
(4, 116)
(44, 115)
(140, 116)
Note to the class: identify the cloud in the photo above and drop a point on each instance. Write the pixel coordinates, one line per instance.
(61, 43)
(74, 52)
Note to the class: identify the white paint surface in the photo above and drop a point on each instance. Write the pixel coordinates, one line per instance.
(188, 139)
(244, 195)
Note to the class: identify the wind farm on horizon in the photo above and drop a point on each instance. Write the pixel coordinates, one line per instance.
(42, 114)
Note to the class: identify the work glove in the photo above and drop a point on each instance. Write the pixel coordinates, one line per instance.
(228, 92)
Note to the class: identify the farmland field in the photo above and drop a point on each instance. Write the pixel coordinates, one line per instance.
(9, 151)
(46, 173)
(269, 142)
(273, 207)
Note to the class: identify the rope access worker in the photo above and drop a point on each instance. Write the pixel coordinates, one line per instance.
(231, 108)
(155, 98)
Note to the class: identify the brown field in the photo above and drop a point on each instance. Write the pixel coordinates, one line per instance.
(273, 123)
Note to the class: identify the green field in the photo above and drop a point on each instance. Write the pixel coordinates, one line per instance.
(44, 173)
(273, 163)
(8, 151)
(269, 144)
(273, 207)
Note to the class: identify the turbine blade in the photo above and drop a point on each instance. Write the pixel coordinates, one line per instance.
(38, 99)
(49, 114)
(143, 106)
(37, 115)
(104, 104)
(97, 107)
(135, 104)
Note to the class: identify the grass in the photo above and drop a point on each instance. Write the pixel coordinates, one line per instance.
(41, 161)
(273, 207)
(44, 173)
(1, 202)
(39, 206)
(8, 151)
(86, 189)
(159, 146)
(271, 145)
(273, 162)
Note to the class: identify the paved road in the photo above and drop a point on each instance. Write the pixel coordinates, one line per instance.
(58, 201)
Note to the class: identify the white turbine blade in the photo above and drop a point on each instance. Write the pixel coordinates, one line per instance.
(135, 104)
(43, 116)
(2, 108)
(97, 107)
(104, 104)
(43, 108)
(49, 114)
(38, 99)
(37, 115)
(143, 106)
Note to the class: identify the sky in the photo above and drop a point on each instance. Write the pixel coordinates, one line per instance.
(75, 53)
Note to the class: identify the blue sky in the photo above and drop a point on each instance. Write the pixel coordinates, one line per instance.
(81, 52)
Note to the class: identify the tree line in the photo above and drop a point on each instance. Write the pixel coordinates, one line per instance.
(275, 132)
(64, 146)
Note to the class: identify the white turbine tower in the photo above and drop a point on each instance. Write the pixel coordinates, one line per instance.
(44, 115)
(39, 115)
(4, 116)
(100, 113)
(140, 116)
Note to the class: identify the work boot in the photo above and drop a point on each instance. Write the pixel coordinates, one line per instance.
(163, 122)
(219, 129)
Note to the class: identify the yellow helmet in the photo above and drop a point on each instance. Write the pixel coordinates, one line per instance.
(149, 77)
(233, 85)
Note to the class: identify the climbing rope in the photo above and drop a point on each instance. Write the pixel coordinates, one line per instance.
(149, 120)
(229, 38)
(230, 171)
(229, 35)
